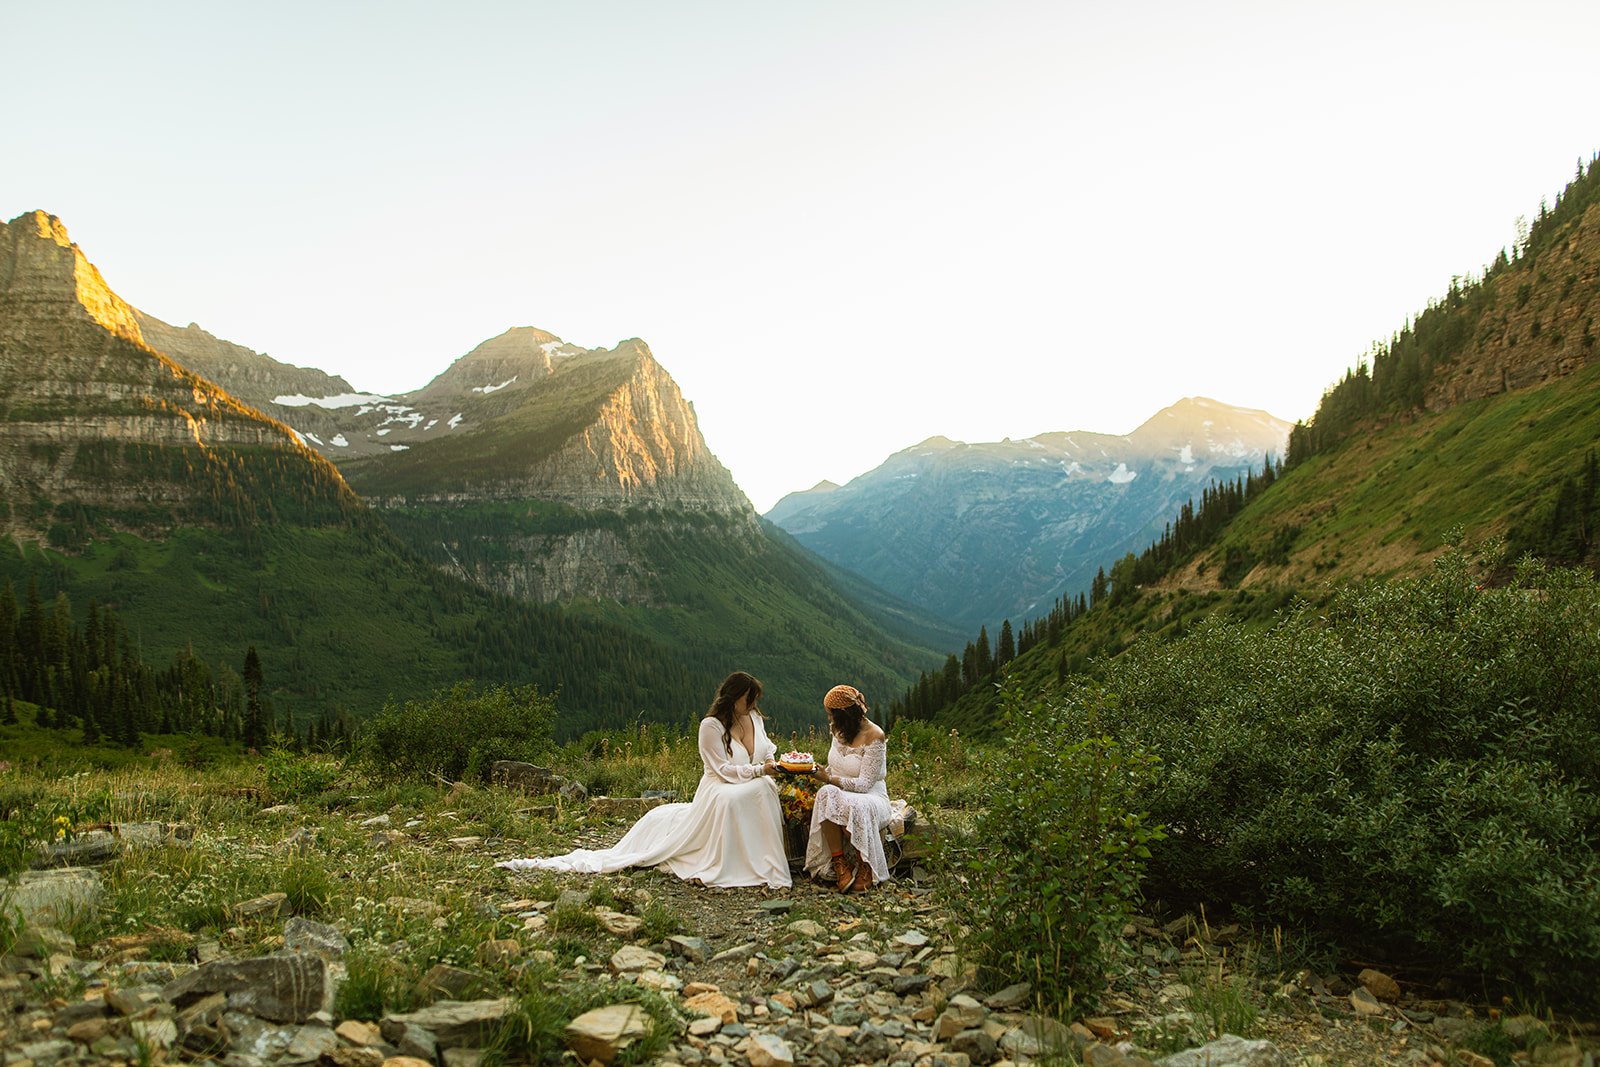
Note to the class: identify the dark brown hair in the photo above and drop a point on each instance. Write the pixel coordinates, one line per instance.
(846, 722)
(732, 688)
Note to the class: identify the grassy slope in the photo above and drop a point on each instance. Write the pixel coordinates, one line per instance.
(1382, 503)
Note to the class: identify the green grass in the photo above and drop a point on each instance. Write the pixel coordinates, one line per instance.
(1382, 502)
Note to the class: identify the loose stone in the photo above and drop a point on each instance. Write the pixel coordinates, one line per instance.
(603, 1033)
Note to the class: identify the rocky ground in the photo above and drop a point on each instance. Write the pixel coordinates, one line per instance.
(638, 967)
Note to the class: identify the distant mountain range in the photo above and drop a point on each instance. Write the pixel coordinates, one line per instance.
(975, 533)
(538, 512)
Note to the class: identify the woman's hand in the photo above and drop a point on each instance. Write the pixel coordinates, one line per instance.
(770, 768)
(820, 773)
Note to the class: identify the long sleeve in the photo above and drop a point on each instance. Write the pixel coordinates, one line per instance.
(872, 769)
(715, 758)
(765, 749)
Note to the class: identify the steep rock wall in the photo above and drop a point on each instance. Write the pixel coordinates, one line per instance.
(1541, 325)
(86, 406)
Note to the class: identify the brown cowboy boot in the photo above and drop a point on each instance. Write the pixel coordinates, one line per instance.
(844, 873)
(864, 878)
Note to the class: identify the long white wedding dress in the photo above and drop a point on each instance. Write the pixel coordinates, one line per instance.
(731, 834)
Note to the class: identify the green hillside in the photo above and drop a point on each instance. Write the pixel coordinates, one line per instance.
(719, 591)
(345, 618)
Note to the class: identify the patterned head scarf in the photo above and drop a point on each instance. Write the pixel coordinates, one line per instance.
(842, 696)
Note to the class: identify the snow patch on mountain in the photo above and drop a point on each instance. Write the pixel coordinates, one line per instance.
(1122, 475)
(487, 389)
(343, 400)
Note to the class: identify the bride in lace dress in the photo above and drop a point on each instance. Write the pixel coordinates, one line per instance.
(852, 807)
(731, 834)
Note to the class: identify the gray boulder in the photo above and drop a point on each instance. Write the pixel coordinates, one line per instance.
(454, 1023)
(1229, 1050)
(285, 989)
(54, 897)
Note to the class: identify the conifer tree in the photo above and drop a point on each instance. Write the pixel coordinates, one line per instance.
(253, 680)
(1007, 651)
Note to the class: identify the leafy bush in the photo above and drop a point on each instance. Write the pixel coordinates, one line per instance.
(459, 732)
(291, 776)
(1412, 770)
(1052, 868)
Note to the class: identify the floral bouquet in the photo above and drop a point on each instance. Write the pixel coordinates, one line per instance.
(796, 795)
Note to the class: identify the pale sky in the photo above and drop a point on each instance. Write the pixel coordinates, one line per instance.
(843, 227)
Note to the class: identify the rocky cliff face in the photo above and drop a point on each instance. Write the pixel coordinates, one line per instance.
(253, 377)
(977, 533)
(90, 415)
(607, 429)
(1540, 325)
(606, 438)
(643, 448)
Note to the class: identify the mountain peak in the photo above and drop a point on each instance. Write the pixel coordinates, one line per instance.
(518, 357)
(1211, 426)
(44, 225)
(41, 269)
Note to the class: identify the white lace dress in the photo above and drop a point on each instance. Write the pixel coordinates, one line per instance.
(731, 834)
(860, 805)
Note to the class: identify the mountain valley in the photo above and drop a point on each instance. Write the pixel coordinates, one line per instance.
(538, 512)
(975, 533)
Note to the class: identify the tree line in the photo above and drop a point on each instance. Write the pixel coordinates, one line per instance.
(1392, 378)
(92, 677)
(1196, 526)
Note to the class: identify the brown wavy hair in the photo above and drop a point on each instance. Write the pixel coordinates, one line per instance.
(732, 688)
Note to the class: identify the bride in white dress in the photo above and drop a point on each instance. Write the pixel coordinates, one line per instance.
(852, 807)
(731, 834)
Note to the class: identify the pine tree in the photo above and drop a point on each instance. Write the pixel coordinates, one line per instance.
(1008, 649)
(253, 680)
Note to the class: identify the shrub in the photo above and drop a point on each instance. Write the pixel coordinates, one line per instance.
(292, 776)
(1052, 868)
(459, 732)
(1413, 770)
